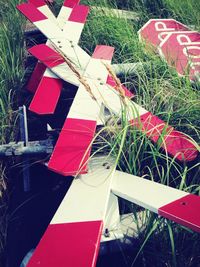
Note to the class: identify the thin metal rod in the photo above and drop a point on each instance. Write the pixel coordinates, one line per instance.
(126, 68)
(24, 138)
(125, 14)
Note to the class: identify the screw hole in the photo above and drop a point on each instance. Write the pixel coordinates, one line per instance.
(106, 233)
(184, 203)
(106, 165)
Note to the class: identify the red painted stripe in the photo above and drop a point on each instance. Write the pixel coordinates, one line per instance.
(31, 12)
(103, 52)
(176, 143)
(69, 245)
(151, 35)
(36, 77)
(69, 156)
(79, 14)
(71, 3)
(110, 81)
(184, 211)
(152, 125)
(47, 55)
(46, 96)
(37, 3)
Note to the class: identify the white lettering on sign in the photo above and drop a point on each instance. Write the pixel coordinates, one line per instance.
(161, 34)
(186, 51)
(185, 40)
(190, 55)
(195, 65)
(161, 26)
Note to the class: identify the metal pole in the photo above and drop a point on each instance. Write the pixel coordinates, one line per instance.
(24, 138)
(126, 68)
(124, 14)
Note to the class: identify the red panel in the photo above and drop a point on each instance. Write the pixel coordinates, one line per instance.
(69, 245)
(184, 211)
(36, 77)
(31, 12)
(47, 55)
(71, 3)
(46, 96)
(179, 144)
(69, 156)
(150, 32)
(37, 3)
(79, 14)
(176, 143)
(110, 81)
(152, 125)
(182, 49)
(103, 52)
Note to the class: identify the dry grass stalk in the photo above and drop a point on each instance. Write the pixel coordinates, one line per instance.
(74, 70)
(3, 186)
(118, 86)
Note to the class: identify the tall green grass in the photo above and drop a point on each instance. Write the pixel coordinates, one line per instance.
(11, 75)
(137, 155)
(11, 62)
(160, 90)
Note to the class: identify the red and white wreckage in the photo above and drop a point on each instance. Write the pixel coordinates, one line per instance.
(74, 233)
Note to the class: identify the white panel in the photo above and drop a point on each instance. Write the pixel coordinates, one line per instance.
(112, 219)
(50, 74)
(81, 58)
(102, 92)
(145, 193)
(113, 101)
(48, 13)
(110, 98)
(83, 106)
(72, 30)
(49, 29)
(60, 21)
(63, 16)
(108, 95)
(88, 196)
(66, 74)
(97, 69)
(55, 35)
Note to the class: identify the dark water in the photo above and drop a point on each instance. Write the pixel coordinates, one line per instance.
(30, 214)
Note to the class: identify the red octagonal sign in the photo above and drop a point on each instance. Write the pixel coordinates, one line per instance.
(156, 30)
(182, 51)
